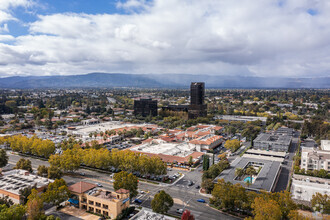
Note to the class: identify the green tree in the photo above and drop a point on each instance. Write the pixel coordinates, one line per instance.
(56, 193)
(24, 164)
(239, 172)
(5, 200)
(162, 202)
(54, 172)
(51, 217)
(15, 212)
(206, 162)
(3, 158)
(24, 194)
(126, 181)
(250, 171)
(208, 185)
(42, 170)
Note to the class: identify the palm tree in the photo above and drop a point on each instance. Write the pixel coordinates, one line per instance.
(239, 172)
(250, 171)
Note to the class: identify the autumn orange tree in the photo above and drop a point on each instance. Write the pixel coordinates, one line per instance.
(229, 197)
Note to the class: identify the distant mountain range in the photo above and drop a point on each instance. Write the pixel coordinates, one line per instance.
(112, 80)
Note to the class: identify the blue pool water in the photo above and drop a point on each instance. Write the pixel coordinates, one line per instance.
(248, 179)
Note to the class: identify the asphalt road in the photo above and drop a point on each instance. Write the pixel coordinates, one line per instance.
(184, 196)
(286, 167)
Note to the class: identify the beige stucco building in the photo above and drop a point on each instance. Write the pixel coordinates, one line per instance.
(315, 159)
(100, 201)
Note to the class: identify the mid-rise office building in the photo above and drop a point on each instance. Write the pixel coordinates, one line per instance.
(197, 107)
(268, 141)
(90, 198)
(145, 107)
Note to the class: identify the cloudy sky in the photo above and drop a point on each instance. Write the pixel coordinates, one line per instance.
(214, 37)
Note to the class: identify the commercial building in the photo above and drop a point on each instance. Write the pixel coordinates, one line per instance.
(197, 107)
(304, 187)
(207, 142)
(274, 142)
(90, 198)
(11, 182)
(266, 179)
(241, 118)
(315, 159)
(145, 107)
(178, 152)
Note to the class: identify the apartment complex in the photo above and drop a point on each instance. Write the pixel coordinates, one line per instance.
(11, 182)
(315, 159)
(197, 107)
(145, 107)
(90, 198)
(274, 142)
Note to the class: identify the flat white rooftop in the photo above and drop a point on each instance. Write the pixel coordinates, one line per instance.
(270, 158)
(86, 129)
(14, 180)
(265, 152)
(174, 149)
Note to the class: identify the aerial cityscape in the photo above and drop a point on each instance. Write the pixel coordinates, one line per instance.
(164, 110)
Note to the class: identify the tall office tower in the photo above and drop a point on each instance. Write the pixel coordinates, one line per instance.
(197, 107)
(145, 107)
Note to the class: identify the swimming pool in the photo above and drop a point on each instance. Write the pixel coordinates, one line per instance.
(248, 179)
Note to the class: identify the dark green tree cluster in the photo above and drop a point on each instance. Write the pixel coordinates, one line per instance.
(3, 158)
(206, 162)
(210, 174)
(162, 202)
(317, 128)
(51, 172)
(24, 164)
(126, 181)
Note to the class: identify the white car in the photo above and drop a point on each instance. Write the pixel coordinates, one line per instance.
(180, 211)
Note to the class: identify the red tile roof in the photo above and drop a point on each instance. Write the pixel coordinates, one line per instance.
(81, 187)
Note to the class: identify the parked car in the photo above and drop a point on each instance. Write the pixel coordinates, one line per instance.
(201, 200)
(82, 174)
(197, 187)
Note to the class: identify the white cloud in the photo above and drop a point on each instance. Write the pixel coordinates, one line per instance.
(266, 38)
